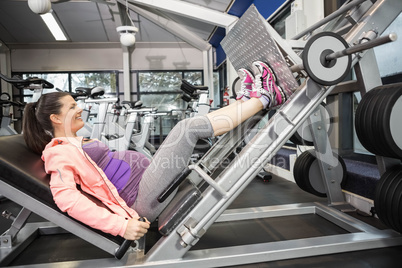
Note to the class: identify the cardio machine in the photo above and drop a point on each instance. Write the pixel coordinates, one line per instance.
(33, 83)
(131, 139)
(6, 103)
(81, 94)
(199, 104)
(198, 96)
(96, 129)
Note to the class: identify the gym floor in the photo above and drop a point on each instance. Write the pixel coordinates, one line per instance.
(67, 247)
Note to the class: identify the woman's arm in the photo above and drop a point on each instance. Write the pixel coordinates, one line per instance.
(79, 206)
(68, 168)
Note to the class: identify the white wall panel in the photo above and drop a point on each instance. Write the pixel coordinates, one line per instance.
(97, 59)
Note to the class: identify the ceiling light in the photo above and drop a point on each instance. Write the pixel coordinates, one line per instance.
(53, 26)
(40, 6)
(127, 35)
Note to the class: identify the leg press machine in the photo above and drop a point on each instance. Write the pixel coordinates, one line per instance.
(208, 189)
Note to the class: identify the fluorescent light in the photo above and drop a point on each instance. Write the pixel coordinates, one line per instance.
(53, 26)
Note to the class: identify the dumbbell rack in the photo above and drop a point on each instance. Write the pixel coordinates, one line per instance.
(253, 39)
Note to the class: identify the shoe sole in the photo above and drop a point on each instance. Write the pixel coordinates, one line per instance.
(242, 81)
(277, 88)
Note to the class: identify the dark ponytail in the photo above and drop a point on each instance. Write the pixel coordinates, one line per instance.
(37, 127)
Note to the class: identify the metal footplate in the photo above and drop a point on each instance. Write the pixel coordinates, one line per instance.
(250, 40)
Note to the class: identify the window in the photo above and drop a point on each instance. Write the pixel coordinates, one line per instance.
(159, 81)
(107, 80)
(162, 90)
(194, 78)
(59, 81)
(69, 81)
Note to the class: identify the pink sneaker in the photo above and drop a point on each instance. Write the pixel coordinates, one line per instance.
(265, 84)
(247, 80)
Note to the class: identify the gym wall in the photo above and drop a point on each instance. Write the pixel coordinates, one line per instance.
(75, 58)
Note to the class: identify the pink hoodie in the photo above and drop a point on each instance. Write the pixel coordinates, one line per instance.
(98, 203)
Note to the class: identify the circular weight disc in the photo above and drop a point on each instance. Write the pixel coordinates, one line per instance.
(316, 178)
(363, 122)
(326, 72)
(299, 170)
(381, 192)
(395, 119)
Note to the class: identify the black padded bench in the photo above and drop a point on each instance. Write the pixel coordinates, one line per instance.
(24, 170)
(24, 181)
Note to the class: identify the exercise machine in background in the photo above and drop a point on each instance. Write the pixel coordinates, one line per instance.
(119, 138)
(197, 97)
(6, 121)
(81, 94)
(37, 85)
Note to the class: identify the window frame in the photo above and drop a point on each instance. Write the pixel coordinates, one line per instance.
(21, 95)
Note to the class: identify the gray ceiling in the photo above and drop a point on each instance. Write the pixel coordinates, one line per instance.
(92, 22)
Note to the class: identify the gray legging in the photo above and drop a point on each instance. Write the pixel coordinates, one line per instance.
(171, 158)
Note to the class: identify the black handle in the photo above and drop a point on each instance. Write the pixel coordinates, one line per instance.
(120, 251)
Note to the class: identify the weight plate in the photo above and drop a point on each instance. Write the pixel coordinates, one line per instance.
(396, 207)
(364, 123)
(317, 183)
(319, 69)
(392, 187)
(377, 121)
(380, 196)
(387, 199)
(391, 122)
(300, 173)
(307, 173)
(366, 129)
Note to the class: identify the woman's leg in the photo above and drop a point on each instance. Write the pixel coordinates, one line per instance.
(169, 160)
(229, 117)
(174, 154)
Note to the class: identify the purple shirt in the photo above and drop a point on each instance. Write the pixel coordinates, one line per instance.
(124, 169)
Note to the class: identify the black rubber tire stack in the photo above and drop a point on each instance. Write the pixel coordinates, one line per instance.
(373, 126)
(302, 175)
(374, 129)
(388, 198)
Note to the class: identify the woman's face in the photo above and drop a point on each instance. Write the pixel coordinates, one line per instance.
(70, 115)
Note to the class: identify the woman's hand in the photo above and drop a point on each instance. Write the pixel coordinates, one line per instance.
(136, 229)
